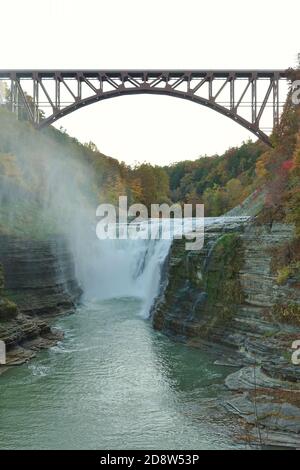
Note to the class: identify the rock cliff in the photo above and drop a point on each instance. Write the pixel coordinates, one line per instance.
(37, 281)
(226, 297)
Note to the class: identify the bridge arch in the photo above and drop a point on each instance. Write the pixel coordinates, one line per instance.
(177, 94)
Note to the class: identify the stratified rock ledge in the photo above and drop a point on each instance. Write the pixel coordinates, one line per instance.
(37, 282)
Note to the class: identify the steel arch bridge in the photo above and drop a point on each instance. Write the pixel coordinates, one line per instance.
(229, 92)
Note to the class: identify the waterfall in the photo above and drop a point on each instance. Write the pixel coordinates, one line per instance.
(122, 268)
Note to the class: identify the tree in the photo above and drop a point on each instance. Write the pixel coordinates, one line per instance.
(154, 183)
(215, 201)
(234, 192)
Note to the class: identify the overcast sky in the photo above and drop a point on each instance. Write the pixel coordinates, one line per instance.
(150, 34)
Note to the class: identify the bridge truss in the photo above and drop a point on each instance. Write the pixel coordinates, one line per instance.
(249, 97)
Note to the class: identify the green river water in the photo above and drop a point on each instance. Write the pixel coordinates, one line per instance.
(114, 383)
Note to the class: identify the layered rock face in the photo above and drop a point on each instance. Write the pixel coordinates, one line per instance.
(39, 275)
(226, 297)
(37, 281)
(202, 290)
(226, 293)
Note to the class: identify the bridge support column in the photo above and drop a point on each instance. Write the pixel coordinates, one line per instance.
(254, 100)
(275, 103)
(36, 101)
(14, 96)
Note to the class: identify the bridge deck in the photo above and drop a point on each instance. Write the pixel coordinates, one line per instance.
(140, 73)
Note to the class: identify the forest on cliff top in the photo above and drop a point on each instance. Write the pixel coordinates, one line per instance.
(220, 182)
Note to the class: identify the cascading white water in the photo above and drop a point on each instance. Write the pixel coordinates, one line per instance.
(123, 268)
(126, 268)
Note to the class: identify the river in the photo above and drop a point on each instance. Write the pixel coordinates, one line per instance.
(114, 382)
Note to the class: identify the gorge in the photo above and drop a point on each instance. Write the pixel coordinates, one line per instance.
(117, 379)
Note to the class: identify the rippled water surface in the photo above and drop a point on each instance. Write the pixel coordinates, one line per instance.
(114, 383)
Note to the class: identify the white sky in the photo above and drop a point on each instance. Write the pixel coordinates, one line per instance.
(150, 34)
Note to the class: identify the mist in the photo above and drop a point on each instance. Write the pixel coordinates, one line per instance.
(48, 190)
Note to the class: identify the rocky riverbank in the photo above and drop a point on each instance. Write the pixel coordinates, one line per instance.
(37, 282)
(227, 297)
